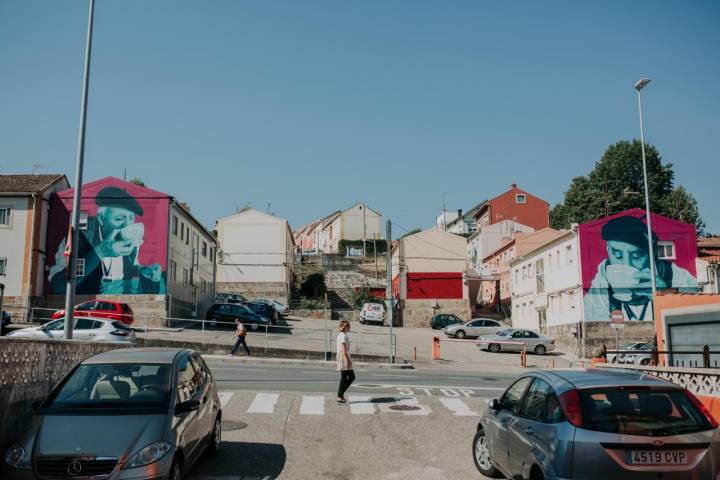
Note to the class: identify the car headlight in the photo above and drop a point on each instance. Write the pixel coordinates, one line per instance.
(151, 453)
(17, 457)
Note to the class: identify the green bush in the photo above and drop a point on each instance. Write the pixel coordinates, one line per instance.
(312, 304)
(313, 286)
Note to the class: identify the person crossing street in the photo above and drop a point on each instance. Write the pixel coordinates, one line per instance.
(344, 363)
(240, 334)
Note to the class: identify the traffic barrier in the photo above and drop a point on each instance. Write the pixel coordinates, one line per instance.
(435, 348)
(595, 361)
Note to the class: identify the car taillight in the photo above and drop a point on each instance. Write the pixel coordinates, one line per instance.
(570, 403)
(701, 406)
(120, 333)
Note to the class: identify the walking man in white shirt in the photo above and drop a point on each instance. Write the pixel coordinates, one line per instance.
(344, 364)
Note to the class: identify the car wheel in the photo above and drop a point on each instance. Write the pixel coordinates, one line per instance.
(645, 361)
(494, 348)
(481, 455)
(175, 470)
(215, 438)
(540, 350)
(460, 334)
(536, 473)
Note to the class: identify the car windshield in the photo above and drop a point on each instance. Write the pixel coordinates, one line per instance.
(505, 333)
(122, 387)
(635, 411)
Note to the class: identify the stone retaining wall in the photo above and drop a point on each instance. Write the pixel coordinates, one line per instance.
(598, 334)
(272, 290)
(306, 313)
(419, 313)
(28, 371)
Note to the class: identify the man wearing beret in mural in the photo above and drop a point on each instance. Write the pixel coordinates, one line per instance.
(110, 246)
(623, 281)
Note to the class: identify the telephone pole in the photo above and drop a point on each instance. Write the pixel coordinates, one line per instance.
(388, 288)
(74, 234)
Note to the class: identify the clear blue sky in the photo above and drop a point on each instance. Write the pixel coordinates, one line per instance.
(312, 105)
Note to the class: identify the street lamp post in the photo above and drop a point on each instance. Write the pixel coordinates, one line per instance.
(77, 196)
(639, 86)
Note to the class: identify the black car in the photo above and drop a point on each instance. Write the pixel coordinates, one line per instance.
(442, 320)
(4, 322)
(228, 312)
(262, 308)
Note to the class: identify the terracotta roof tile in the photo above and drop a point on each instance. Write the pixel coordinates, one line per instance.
(27, 183)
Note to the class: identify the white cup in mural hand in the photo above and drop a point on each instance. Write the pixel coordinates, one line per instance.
(622, 276)
(133, 233)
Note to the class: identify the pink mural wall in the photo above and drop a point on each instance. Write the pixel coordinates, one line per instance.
(123, 239)
(616, 266)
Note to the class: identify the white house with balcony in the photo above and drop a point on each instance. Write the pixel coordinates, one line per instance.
(547, 287)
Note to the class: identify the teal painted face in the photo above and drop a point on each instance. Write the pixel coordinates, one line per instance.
(622, 253)
(114, 218)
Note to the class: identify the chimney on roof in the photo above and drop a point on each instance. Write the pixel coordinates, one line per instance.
(459, 212)
(185, 206)
(513, 186)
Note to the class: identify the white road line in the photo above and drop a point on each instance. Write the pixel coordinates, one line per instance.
(361, 405)
(458, 407)
(225, 397)
(407, 385)
(409, 401)
(264, 403)
(335, 374)
(312, 405)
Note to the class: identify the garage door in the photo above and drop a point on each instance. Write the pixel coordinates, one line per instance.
(694, 338)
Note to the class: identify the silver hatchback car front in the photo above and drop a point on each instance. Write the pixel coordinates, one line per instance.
(123, 414)
(596, 424)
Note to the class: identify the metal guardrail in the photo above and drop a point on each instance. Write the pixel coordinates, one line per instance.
(704, 362)
(38, 316)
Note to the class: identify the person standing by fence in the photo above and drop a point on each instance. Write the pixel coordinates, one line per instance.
(344, 363)
(240, 334)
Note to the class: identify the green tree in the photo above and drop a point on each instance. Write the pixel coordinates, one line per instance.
(137, 181)
(616, 184)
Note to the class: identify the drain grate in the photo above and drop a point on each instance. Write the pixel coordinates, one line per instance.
(404, 408)
(229, 425)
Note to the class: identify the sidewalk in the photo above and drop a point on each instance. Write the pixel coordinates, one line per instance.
(413, 345)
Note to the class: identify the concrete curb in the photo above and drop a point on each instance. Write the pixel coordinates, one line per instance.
(290, 361)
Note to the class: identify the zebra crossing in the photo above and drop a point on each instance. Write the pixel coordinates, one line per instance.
(266, 403)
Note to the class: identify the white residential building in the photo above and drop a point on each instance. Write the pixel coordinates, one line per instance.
(356, 223)
(489, 239)
(547, 286)
(23, 227)
(256, 255)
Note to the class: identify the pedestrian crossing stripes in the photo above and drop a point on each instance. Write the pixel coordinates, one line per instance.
(264, 403)
(358, 404)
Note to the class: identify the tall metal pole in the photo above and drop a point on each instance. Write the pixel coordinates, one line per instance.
(388, 288)
(74, 232)
(363, 232)
(639, 86)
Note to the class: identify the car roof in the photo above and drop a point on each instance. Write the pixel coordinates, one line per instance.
(137, 355)
(568, 379)
(88, 317)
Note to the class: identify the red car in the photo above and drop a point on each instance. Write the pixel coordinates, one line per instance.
(102, 309)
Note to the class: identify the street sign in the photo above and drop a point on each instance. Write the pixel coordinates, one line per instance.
(617, 326)
(617, 316)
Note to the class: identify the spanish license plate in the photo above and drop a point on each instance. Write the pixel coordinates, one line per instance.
(657, 457)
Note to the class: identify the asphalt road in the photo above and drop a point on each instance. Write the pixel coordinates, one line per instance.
(282, 421)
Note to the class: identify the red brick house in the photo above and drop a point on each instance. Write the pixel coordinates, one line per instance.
(517, 205)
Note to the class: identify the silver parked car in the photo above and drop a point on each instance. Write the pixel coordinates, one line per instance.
(89, 329)
(513, 340)
(476, 327)
(597, 424)
(123, 414)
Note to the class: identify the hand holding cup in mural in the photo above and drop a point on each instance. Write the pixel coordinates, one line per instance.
(152, 272)
(116, 245)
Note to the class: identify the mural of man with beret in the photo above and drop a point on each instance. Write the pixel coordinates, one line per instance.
(623, 279)
(110, 246)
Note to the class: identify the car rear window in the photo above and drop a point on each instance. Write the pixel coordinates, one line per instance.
(635, 411)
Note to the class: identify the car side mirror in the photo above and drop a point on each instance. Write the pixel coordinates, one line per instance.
(185, 407)
(495, 404)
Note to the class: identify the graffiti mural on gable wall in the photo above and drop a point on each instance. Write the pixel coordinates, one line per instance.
(123, 241)
(615, 261)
